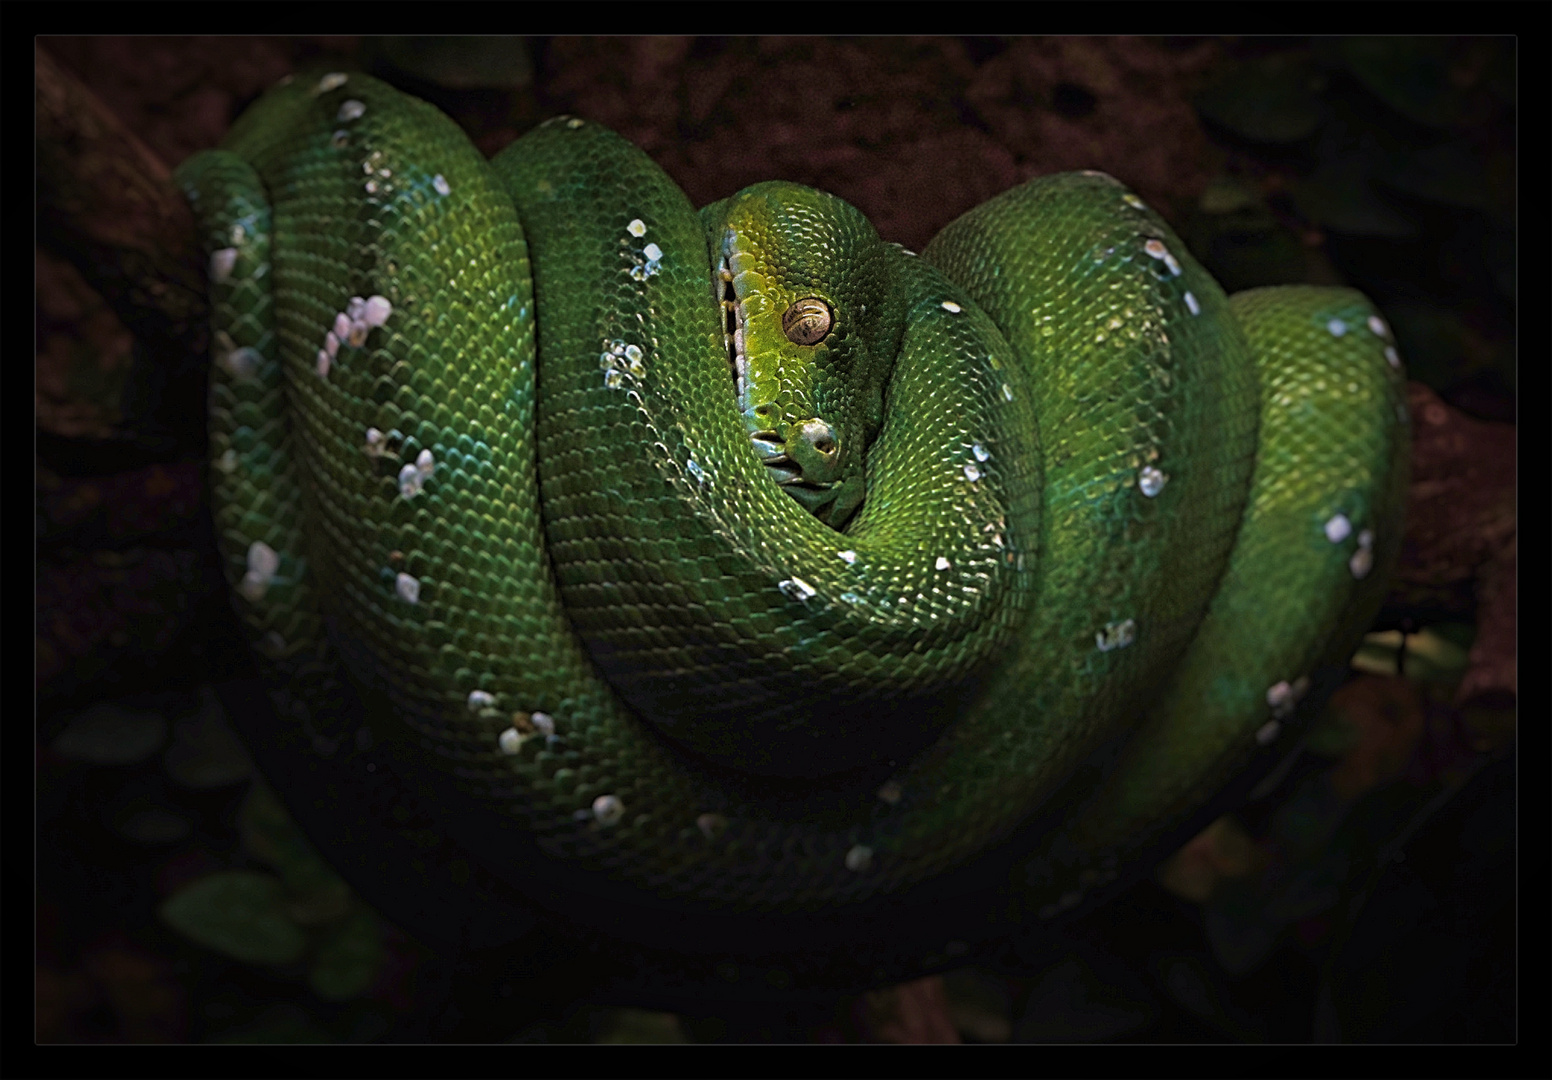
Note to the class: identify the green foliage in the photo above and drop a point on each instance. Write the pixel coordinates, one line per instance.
(205, 752)
(306, 912)
(316, 893)
(1433, 655)
(349, 957)
(240, 914)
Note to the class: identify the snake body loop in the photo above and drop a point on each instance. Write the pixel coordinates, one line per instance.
(743, 564)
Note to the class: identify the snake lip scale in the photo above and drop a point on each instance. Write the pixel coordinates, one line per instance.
(733, 330)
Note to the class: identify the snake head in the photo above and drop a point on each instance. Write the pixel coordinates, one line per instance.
(812, 324)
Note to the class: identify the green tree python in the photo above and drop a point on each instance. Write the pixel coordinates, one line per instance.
(737, 568)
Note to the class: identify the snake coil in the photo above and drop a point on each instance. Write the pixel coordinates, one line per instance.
(738, 565)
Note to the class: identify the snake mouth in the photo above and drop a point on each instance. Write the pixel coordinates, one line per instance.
(733, 331)
(772, 452)
(780, 467)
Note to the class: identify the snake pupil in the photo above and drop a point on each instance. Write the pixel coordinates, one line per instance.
(807, 321)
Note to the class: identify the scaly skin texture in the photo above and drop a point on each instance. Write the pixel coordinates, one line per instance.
(681, 608)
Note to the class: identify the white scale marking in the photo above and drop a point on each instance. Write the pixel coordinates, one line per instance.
(221, 263)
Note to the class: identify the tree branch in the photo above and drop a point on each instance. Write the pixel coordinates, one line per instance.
(109, 206)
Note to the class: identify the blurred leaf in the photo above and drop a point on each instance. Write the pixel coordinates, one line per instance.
(1222, 850)
(238, 913)
(1379, 654)
(638, 1026)
(278, 1024)
(349, 958)
(1460, 634)
(1338, 196)
(205, 752)
(1226, 194)
(317, 900)
(462, 63)
(1432, 657)
(317, 894)
(265, 826)
(109, 734)
(1245, 917)
(1275, 99)
(1410, 74)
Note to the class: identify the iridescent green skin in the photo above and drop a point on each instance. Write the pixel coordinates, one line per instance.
(1096, 499)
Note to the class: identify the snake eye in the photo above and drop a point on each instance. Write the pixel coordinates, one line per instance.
(807, 321)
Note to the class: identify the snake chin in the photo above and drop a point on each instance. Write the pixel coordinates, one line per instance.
(817, 498)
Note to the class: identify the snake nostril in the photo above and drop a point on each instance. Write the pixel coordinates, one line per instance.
(825, 446)
(764, 415)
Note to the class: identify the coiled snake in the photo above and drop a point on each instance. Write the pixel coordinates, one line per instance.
(740, 567)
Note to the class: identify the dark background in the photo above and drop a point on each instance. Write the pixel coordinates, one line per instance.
(1388, 164)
